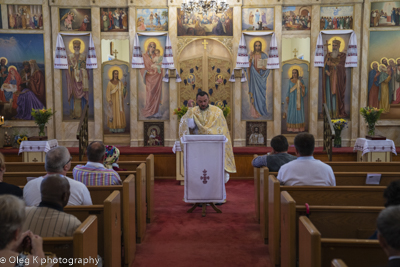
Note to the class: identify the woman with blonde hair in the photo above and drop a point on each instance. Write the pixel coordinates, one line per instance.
(12, 240)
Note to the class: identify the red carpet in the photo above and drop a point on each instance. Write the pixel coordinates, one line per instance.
(177, 238)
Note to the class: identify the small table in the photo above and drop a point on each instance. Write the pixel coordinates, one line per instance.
(35, 151)
(374, 150)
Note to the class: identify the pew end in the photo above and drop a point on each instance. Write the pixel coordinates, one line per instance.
(288, 230)
(274, 217)
(257, 190)
(150, 188)
(112, 230)
(310, 240)
(140, 203)
(129, 217)
(264, 173)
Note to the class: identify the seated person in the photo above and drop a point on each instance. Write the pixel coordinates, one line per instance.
(392, 197)
(111, 158)
(306, 170)
(4, 187)
(94, 172)
(57, 161)
(389, 234)
(49, 219)
(277, 157)
(12, 217)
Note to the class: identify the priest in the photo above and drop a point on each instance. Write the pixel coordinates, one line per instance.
(208, 119)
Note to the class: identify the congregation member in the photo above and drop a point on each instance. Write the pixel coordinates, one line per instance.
(94, 172)
(57, 161)
(12, 239)
(49, 218)
(278, 157)
(389, 234)
(306, 170)
(111, 158)
(6, 188)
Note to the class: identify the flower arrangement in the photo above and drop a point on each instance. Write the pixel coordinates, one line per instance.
(19, 137)
(41, 117)
(371, 116)
(338, 126)
(182, 110)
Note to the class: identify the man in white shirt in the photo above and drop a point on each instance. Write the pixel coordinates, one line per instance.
(58, 161)
(306, 170)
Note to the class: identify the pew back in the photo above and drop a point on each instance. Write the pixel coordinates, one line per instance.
(333, 221)
(314, 195)
(77, 246)
(109, 226)
(316, 251)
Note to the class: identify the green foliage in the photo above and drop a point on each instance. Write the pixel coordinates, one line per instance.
(42, 116)
(371, 114)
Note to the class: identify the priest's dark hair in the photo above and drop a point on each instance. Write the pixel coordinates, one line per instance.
(95, 152)
(304, 143)
(279, 143)
(202, 93)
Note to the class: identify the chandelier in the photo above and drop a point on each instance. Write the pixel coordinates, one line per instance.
(204, 7)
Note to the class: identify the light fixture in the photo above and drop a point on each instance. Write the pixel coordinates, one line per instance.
(204, 7)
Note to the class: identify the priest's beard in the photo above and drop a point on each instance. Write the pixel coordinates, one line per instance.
(76, 53)
(335, 53)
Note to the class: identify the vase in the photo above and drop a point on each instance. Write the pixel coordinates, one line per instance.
(41, 129)
(371, 128)
(337, 142)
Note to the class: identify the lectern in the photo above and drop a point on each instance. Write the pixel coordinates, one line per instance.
(204, 158)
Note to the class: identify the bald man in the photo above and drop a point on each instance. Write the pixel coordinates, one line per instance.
(49, 219)
(94, 172)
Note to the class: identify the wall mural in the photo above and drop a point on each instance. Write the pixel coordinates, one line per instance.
(116, 97)
(385, 14)
(153, 93)
(257, 19)
(296, 18)
(77, 81)
(334, 78)
(384, 71)
(295, 96)
(114, 19)
(151, 19)
(257, 92)
(211, 25)
(27, 17)
(75, 19)
(336, 18)
(22, 80)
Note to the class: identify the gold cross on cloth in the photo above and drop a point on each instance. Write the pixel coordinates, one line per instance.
(205, 43)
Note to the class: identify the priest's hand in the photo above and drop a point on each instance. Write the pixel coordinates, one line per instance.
(190, 103)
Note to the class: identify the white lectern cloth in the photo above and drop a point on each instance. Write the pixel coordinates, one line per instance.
(204, 159)
(366, 146)
(37, 146)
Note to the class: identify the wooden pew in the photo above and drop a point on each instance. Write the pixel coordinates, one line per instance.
(316, 251)
(314, 195)
(19, 178)
(141, 209)
(39, 166)
(257, 175)
(150, 188)
(338, 263)
(80, 245)
(109, 226)
(128, 215)
(349, 221)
